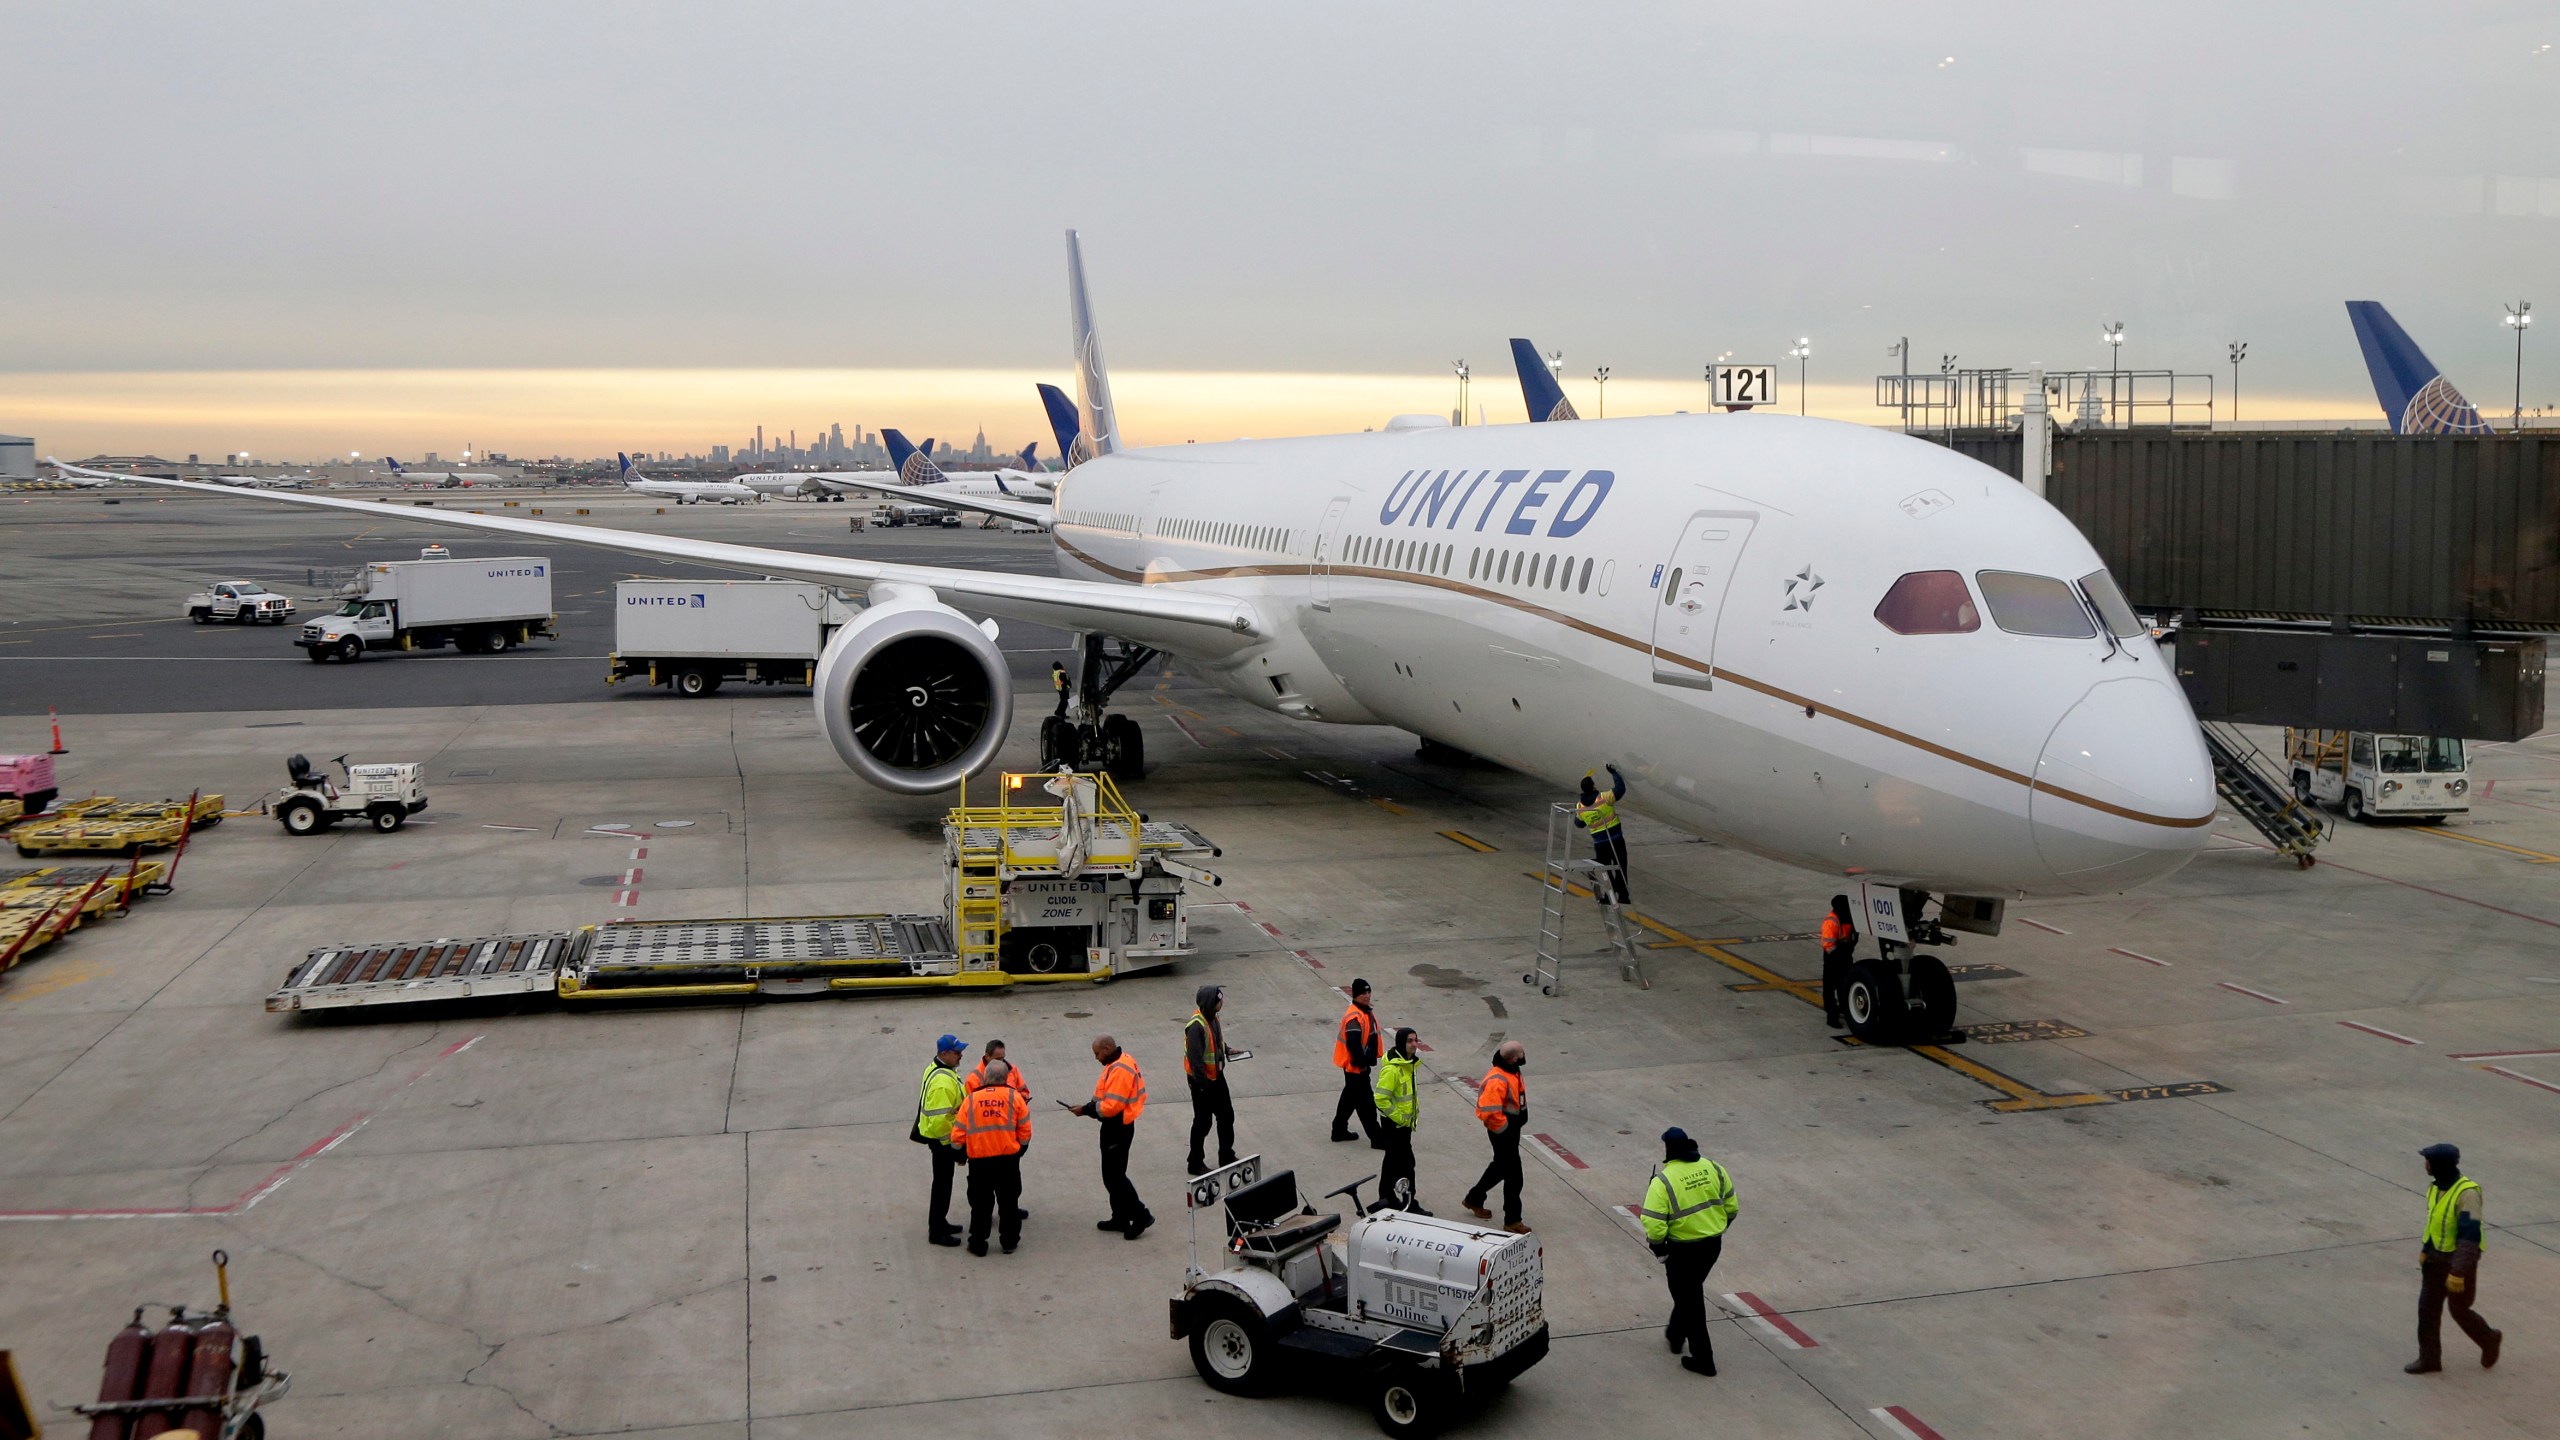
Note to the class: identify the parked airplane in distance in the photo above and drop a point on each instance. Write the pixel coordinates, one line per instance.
(2415, 396)
(93, 478)
(1844, 648)
(85, 479)
(441, 479)
(686, 492)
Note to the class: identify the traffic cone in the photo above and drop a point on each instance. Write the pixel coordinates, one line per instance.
(57, 730)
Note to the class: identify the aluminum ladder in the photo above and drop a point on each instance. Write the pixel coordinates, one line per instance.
(1563, 869)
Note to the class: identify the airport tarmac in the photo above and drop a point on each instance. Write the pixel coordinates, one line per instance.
(2183, 1199)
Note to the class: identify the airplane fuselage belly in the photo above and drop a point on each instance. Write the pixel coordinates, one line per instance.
(1500, 590)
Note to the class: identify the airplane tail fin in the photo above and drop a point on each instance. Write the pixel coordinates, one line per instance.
(1098, 430)
(394, 464)
(630, 472)
(2415, 396)
(1538, 384)
(915, 467)
(1028, 451)
(1064, 423)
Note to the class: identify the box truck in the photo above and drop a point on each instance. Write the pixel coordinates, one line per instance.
(483, 605)
(693, 635)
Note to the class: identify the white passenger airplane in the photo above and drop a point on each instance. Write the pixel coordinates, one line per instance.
(686, 492)
(1845, 648)
(441, 479)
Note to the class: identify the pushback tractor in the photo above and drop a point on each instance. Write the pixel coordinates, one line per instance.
(1426, 1316)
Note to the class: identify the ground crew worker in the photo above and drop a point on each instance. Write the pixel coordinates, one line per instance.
(1119, 1098)
(1686, 1209)
(1058, 682)
(2449, 1262)
(1503, 1105)
(1355, 1054)
(1013, 1072)
(938, 1097)
(1398, 1109)
(994, 1128)
(1839, 946)
(1598, 813)
(1204, 1065)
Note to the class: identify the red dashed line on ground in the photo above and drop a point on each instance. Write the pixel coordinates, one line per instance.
(2137, 955)
(1187, 732)
(1770, 1320)
(275, 1179)
(2516, 1075)
(2252, 994)
(2394, 1036)
(1308, 960)
(1561, 1153)
(1267, 928)
(2049, 929)
(1905, 1424)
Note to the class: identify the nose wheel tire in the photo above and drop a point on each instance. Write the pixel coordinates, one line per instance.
(1933, 997)
(387, 818)
(2355, 806)
(1231, 1346)
(300, 817)
(1878, 1014)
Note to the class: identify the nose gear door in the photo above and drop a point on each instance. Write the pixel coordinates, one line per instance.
(1691, 595)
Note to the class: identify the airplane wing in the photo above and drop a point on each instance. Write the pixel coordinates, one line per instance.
(941, 499)
(86, 479)
(1182, 622)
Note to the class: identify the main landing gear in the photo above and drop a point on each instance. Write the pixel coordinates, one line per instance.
(1904, 997)
(1085, 738)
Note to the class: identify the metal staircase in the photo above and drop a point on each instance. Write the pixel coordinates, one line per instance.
(2246, 780)
(1564, 868)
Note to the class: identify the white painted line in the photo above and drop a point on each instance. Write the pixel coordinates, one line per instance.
(614, 826)
(1905, 1424)
(641, 853)
(2391, 1035)
(524, 829)
(2253, 994)
(2529, 1080)
(2137, 955)
(1779, 1327)
(2502, 1054)
(2054, 929)
(673, 824)
(626, 898)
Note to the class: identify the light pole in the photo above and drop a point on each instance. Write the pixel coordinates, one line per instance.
(1462, 392)
(1602, 376)
(2239, 352)
(1804, 348)
(2519, 315)
(1555, 366)
(1902, 347)
(1947, 367)
(2114, 336)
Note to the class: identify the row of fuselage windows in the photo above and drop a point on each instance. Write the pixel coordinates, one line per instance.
(1227, 532)
(1102, 520)
(1516, 569)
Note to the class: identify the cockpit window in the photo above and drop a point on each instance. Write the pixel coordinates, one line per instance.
(1929, 602)
(2034, 605)
(2109, 602)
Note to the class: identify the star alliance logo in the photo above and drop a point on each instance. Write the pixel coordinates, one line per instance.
(1800, 589)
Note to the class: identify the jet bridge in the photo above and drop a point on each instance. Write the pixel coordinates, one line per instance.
(1082, 890)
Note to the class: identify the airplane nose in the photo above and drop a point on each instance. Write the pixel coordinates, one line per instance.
(2124, 792)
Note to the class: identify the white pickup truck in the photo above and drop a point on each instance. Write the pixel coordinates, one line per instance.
(242, 602)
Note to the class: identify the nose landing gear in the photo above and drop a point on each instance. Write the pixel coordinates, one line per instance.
(1904, 996)
(1085, 738)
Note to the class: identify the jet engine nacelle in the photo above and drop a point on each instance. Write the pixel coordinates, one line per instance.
(912, 695)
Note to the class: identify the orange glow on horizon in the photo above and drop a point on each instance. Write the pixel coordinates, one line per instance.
(299, 414)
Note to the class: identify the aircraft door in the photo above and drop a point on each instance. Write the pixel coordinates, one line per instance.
(1689, 597)
(1328, 541)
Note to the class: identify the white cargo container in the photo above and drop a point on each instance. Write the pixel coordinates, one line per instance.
(484, 605)
(692, 635)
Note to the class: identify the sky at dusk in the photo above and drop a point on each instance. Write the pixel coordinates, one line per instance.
(315, 228)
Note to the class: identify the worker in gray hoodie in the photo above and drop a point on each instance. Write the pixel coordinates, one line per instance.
(1204, 1065)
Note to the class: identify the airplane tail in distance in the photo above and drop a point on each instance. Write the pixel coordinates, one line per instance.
(2415, 396)
(915, 467)
(630, 472)
(927, 446)
(1063, 422)
(1028, 463)
(394, 464)
(1098, 432)
(1538, 384)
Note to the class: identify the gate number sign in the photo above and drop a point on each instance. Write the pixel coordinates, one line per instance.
(1742, 385)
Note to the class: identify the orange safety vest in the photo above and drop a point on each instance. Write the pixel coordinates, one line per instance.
(1120, 1093)
(1346, 1055)
(1836, 931)
(994, 1120)
(1504, 1098)
(1013, 1077)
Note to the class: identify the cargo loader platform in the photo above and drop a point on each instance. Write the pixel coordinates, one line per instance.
(1085, 891)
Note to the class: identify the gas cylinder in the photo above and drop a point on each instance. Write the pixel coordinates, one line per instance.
(165, 1377)
(209, 1373)
(121, 1380)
